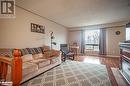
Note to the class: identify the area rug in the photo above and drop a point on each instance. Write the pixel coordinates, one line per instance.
(118, 77)
(73, 73)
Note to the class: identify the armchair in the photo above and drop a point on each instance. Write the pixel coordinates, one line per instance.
(66, 53)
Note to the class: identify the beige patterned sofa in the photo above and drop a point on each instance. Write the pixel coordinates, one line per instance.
(35, 60)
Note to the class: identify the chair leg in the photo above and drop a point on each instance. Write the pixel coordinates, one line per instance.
(64, 59)
(73, 57)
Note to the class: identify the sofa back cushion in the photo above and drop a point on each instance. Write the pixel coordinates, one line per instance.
(6, 52)
(38, 56)
(27, 57)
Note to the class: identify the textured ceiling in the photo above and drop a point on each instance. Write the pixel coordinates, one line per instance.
(75, 13)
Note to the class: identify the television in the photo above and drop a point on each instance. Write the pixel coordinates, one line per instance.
(128, 32)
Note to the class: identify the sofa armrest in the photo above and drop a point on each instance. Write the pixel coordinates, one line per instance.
(16, 67)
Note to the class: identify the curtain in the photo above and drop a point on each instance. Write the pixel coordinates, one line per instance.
(102, 42)
(83, 41)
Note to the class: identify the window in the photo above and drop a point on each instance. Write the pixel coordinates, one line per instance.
(92, 39)
(128, 33)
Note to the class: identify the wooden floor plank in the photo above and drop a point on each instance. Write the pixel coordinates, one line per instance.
(108, 61)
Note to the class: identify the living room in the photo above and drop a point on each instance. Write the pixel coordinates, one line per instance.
(48, 23)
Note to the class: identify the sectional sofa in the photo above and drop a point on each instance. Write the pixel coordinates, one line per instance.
(34, 60)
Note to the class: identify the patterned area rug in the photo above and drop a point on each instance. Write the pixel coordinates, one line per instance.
(73, 73)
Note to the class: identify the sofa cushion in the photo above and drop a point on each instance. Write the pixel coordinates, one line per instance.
(44, 63)
(29, 67)
(6, 52)
(38, 56)
(41, 62)
(26, 58)
(55, 59)
(35, 56)
(38, 61)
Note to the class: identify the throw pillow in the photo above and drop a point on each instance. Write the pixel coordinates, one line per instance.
(6, 52)
(51, 53)
(46, 48)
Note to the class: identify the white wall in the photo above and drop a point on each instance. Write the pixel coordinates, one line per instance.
(113, 40)
(75, 36)
(16, 33)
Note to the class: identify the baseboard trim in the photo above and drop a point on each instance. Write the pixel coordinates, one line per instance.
(112, 56)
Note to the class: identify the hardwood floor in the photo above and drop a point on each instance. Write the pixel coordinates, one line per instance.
(108, 61)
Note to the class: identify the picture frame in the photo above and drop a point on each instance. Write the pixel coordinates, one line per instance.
(37, 28)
